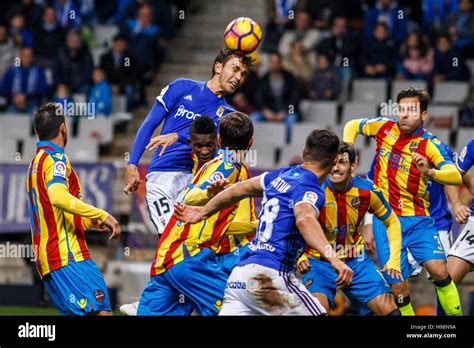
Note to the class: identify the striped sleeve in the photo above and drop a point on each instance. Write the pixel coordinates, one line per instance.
(55, 169)
(365, 126)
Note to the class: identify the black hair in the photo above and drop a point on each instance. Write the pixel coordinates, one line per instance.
(203, 125)
(321, 146)
(235, 130)
(119, 37)
(351, 152)
(422, 95)
(48, 118)
(225, 54)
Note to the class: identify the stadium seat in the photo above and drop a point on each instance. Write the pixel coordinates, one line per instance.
(104, 35)
(269, 133)
(463, 136)
(15, 126)
(400, 85)
(354, 110)
(450, 92)
(266, 155)
(369, 90)
(301, 131)
(443, 134)
(321, 112)
(289, 154)
(366, 157)
(80, 150)
(442, 117)
(100, 128)
(28, 149)
(8, 150)
(119, 103)
(470, 65)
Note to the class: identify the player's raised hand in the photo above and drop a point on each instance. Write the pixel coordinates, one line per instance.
(133, 179)
(113, 226)
(392, 272)
(304, 267)
(344, 273)
(216, 187)
(164, 141)
(421, 163)
(461, 213)
(187, 213)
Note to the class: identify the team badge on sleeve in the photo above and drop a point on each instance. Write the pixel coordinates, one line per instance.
(220, 111)
(463, 153)
(311, 197)
(60, 169)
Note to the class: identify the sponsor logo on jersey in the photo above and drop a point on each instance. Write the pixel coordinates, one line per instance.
(463, 154)
(308, 282)
(414, 146)
(218, 304)
(82, 303)
(189, 97)
(311, 197)
(59, 169)
(99, 295)
(236, 285)
(183, 112)
(220, 111)
(355, 202)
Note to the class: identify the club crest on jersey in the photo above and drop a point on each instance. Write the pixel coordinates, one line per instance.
(99, 295)
(59, 169)
(220, 111)
(355, 202)
(310, 197)
(414, 146)
(217, 176)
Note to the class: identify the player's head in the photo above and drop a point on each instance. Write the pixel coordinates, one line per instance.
(345, 164)
(412, 108)
(321, 147)
(203, 138)
(49, 123)
(230, 70)
(235, 132)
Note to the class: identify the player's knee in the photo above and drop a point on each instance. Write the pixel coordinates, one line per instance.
(400, 290)
(438, 270)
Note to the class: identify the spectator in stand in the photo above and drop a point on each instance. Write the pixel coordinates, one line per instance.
(68, 14)
(7, 50)
(448, 64)
(417, 58)
(435, 13)
(379, 54)
(24, 86)
(62, 95)
(340, 46)
(143, 37)
(100, 94)
(279, 18)
(30, 11)
(120, 69)
(326, 82)
(49, 37)
(21, 36)
(461, 27)
(277, 96)
(299, 65)
(244, 98)
(388, 12)
(323, 13)
(73, 65)
(303, 32)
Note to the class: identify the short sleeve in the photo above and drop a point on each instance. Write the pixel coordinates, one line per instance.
(55, 169)
(309, 193)
(465, 159)
(170, 94)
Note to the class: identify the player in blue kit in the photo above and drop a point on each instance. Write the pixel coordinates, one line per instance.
(178, 105)
(461, 254)
(264, 280)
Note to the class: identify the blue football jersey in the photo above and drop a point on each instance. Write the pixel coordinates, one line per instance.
(178, 104)
(278, 243)
(439, 210)
(465, 161)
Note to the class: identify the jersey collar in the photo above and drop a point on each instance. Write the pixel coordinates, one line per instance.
(333, 189)
(415, 134)
(228, 156)
(48, 145)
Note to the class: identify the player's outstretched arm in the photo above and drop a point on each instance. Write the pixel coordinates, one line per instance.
(60, 197)
(306, 219)
(228, 197)
(446, 175)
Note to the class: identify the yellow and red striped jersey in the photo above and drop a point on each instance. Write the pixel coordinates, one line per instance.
(180, 240)
(395, 173)
(343, 213)
(57, 235)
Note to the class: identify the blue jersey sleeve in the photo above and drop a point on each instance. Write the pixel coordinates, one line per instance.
(466, 157)
(171, 94)
(309, 193)
(268, 177)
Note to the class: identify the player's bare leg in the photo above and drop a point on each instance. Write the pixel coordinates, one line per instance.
(446, 289)
(402, 298)
(384, 304)
(323, 299)
(103, 313)
(458, 268)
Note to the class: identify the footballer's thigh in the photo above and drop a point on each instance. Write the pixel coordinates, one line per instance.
(162, 192)
(461, 254)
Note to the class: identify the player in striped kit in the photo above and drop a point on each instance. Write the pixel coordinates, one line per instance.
(407, 156)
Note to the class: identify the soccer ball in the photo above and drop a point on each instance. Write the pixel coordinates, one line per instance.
(242, 35)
